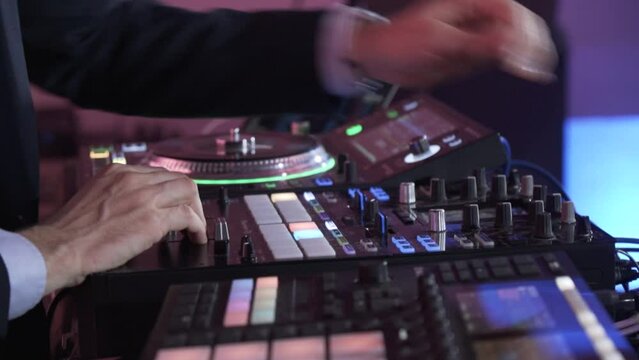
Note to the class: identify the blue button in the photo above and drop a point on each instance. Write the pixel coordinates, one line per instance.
(324, 181)
(406, 249)
(379, 193)
(307, 234)
(397, 239)
(348, 249)
(352, 191)
(423, 238)
(324, 216)
(431, 246)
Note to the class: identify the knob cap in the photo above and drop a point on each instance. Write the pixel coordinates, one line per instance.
(438, 190)
(247, 252)
(407, 193)
(540, 192)
(482, 184)
(543, 226)
(469, 189)
(370, 213)
(527, 186)
(499, 190)
(373, 273)
(419, 145)
(504, 215)
(553, 204)
(536, 208)
(341, 159)
(514, 182)
(470, 218)
(584, 227)
(568, 212)
(437, 220)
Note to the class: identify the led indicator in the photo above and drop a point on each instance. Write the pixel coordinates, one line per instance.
(392, 114)
(325, 167)
(354, 130)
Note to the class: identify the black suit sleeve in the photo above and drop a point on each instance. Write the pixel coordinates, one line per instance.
(4, 299)
(139, 57)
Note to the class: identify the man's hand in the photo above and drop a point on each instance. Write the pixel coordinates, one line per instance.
(119, 214)
(436, 40)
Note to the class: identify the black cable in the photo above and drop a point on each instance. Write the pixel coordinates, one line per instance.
(628, 241)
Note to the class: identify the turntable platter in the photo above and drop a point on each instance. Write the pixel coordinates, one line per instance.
(224, 159)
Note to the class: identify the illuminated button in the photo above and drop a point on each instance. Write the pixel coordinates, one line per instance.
(239, 303)
(99, 153)
(280, 242)
(348, 249)
(253, 350)
(308, 196)
(134, 147)
(432, 246)
(455, 143)
(270, 186)
(411, 106)
(379, 194)
(264, 300)
(307, 348)
(324, 181)
(181, 353)
(463, 241)
(317, 248)
(262, 209)
(449, 138)
(307, 234)
(290, 207)
(406, 249)
(424, 238)
(365, 345)
(392, 114)
(354, 130)
(330, 225)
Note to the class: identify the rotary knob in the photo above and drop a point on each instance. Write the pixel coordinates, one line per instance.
(482, 184)
(568, 212)
(470, 218)
(407, 193)
(553, 205)
(536, 208)
(539, 192)
(504, 215)
(247, 252)
(499, 190)
(543, 226)
(469, 189)
(514, 182)
(370, 213)
(527, 186)
(438, 190)
(350, 171)
(419, 145)
(437, 220)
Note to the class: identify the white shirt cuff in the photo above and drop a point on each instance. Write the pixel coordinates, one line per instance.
(26, 269)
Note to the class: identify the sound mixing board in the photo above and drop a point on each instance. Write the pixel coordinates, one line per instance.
(406, 187)
(378, 311)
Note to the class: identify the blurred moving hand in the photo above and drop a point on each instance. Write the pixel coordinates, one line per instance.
(436, 40)
(119, 214)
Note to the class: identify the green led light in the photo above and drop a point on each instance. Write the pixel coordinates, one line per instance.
(327, 166)
(392, 114)
(354, 130)
(270, 185)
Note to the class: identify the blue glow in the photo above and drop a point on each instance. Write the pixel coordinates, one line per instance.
(601, 170)
(307, 234)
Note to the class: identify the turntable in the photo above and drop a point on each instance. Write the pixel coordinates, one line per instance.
(412, 140)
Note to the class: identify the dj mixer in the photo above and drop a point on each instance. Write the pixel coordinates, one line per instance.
(378, 311)
(414, 185)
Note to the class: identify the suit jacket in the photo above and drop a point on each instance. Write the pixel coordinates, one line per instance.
(138, 57)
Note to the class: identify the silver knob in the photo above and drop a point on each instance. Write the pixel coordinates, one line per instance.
(527, 186)
(437, 220)
(568, 212)
(407, 193)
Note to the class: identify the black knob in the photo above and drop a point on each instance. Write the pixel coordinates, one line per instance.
(514, 182)
(438, 190)
(535, 208)
(223, 199)
(553, 205)
(470, 218)
(543, 226)
(247, 252)
(373, 273)
(341, 159)
(350, 171)
(370, 213)
(482, 184)
(539, 192)
(499, 190)
(419, 145)
(469, 189)
(584, 228)
(504, 215)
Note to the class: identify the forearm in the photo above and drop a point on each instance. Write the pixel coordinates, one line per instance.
(142, 58)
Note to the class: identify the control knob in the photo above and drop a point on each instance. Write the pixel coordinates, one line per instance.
(539, 192)
(437, 220)
(470, 218)
(482, 184)
(407, 193)
(499, 190)
(568, 212)
(536, 208)
(553, 205)
(247, 252)
(370, 213)
(543, 226)
(419, 145)
(469, 189)
(438, 190)
(527, 186)
(504, 215)
(514, 182)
